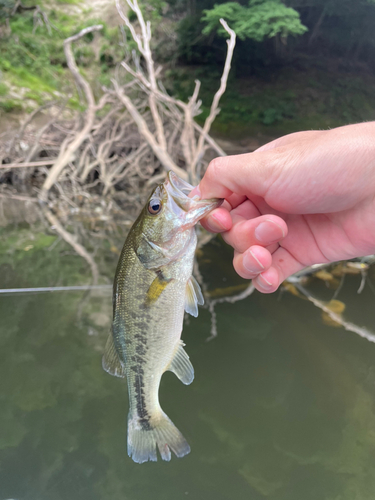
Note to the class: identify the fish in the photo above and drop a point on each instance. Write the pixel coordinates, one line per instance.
(153, 287)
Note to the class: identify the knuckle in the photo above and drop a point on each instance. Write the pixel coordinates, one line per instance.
(215, 167)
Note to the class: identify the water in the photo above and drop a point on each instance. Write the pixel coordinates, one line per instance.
(282, 406)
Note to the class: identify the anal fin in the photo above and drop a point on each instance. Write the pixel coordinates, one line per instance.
(181, 366)
(111, 362)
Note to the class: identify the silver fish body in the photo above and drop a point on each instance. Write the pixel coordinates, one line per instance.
(153, 286)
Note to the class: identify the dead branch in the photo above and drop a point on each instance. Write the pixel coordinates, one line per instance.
(19, 7)
(211, 303)
(67, 154)
(215, 103)
(159, 152)
(192, 151)
(141, 133)
(143, 43)
(33, 164)
(337, 318)
(69, 238)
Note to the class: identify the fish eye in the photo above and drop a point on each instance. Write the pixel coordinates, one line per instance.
(154, 207)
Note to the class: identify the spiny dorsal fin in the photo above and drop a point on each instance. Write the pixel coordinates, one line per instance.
(193, 297)
(181, 366)
(156, 288)
(111, 362)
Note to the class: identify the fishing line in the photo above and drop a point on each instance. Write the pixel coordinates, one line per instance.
(55, 289)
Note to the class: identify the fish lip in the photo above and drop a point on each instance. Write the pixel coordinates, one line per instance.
(195, 210)
(179, 187)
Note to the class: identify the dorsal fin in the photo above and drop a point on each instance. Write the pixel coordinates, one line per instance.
(111, 362)
(193, 297)
(181, 366)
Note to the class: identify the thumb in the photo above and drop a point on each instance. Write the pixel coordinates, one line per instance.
(244, 174)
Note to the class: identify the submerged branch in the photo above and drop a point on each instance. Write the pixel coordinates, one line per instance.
(69, 238)
(351, 327)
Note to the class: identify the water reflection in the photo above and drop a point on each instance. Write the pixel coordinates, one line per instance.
(282, 406)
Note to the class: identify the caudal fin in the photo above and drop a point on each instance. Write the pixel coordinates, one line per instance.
(164, 436)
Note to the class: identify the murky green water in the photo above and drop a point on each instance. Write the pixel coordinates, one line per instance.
(282, 406)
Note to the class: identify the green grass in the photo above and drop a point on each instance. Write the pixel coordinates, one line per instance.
(3, 89)
(36, 61)
(72, 2)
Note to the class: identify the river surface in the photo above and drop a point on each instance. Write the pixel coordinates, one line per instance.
(281, 408)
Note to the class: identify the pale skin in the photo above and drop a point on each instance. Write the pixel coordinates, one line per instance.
(304, 199)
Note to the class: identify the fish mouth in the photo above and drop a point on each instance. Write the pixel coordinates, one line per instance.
(194, 209)
(177, 186)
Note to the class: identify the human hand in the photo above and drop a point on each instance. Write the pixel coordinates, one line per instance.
(303, 199)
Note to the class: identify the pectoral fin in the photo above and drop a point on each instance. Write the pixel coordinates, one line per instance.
(181, 366)
(156, 288)
(111, 362)
(193, 297)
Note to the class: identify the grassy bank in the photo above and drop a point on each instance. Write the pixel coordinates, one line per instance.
(32, 61)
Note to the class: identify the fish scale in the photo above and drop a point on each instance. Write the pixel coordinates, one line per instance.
(153, 286)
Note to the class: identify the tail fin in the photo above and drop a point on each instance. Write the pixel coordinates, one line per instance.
(164, 435)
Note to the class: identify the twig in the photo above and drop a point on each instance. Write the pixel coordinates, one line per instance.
(41, 163)
(211, 303)
(12, 196)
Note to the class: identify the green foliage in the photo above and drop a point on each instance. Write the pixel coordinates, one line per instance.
(153, 9)
(10, 105)
(73, 2)
(261, 19)
(3, 89)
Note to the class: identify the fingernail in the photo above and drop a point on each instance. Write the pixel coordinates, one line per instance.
(250, 265)
(263, 283)
(214, 224)
(269, 232)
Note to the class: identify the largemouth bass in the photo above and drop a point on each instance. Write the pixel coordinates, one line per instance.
(152, 288)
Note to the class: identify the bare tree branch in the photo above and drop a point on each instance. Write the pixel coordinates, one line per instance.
(215, 103)
(160, 153)
(66, 155)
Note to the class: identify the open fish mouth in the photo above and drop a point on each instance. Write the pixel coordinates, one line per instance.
(177, 187)
(195, 209)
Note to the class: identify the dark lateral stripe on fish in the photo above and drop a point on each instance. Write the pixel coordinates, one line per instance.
(143, 415)
(138, 359)
(140, 349)
(141, 338)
